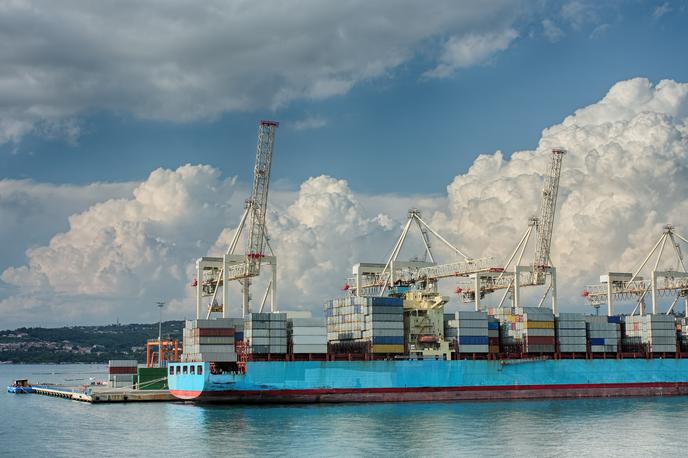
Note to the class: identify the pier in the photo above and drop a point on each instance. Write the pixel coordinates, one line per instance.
(102, 395)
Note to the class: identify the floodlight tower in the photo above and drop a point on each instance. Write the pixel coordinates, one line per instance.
(160, 305)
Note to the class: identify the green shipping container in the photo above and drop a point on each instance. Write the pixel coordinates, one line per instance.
(152, 378)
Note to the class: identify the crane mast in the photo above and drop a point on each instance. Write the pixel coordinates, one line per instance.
(545, 221)
(257, 204)
(215, 273)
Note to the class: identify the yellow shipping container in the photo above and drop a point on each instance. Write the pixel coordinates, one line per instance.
(539, 324)
(387, 348)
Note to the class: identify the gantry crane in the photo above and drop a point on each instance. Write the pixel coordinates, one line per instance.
(381, 279)
(214, 272)
(512, 277)
(627, 286)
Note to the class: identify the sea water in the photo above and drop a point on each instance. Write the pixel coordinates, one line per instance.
(40, 426)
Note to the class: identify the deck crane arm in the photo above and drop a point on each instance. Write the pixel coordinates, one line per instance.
(236, 268)
(545, 221)
(259, 197)
(512, 275)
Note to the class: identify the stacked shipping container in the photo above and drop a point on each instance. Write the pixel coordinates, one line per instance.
(538, 329)
(307, 335)
(571, 333)
(683, 333)
(493, 334)
(471, 329)
(345, 319)
(510, 340)
(378, 321)
(384, 324)
(656, 331)
(122, 373)
(604, 333)
(266, 333)
(209, 340)
(530, 328)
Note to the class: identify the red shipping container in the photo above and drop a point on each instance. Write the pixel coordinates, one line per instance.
(214, 332)
(122, 370)
(539, 340)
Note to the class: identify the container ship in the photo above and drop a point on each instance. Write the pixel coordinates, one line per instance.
(388, 338)
(497, 354)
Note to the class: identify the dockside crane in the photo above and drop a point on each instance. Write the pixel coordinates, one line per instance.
(381, 279)
(514, 275)
(632, 286)
(214, 272)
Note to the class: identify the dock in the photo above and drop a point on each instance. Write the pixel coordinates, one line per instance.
(103, 395)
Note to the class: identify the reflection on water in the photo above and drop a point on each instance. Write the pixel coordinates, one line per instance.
(602, 427)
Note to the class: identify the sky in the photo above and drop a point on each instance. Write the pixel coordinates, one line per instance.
(128, 131)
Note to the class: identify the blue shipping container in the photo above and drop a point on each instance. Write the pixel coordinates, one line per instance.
(493, 325)
(597, 341)
(388, 340)
(613, 319)
(388, 301)
(472, 340)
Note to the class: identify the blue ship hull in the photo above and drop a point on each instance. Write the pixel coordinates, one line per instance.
(19, 389)
(429, 380)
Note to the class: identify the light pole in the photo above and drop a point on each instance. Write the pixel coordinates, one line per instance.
(160, 305)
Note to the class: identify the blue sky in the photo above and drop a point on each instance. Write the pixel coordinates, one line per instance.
(383, 106)
(391, 129)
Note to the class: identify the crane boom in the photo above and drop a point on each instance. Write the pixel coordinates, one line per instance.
(259, 197)
(545, 222)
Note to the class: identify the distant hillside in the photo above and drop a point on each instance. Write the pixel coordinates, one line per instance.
(83, 344)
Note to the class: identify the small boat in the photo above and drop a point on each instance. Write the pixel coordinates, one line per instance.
(20, 386)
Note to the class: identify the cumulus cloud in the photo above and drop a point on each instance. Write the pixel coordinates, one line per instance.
(36, 211)
(120, 254)
(182, 61)
(625, 176)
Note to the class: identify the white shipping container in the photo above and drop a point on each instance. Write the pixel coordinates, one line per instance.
(308, 331)
(309, 340)
(215, 357)
(211, 348)
(473, 348)
(123, 363)
(278, 341)
(470, 315)
(300, 349)
(307, 322)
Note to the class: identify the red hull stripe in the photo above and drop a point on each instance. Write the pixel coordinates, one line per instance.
(471, 392)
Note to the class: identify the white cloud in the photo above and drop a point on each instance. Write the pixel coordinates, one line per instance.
(123, 253)
(311, 122)
(625, 176)
(598, 31)
(31, 213)
(182, 61)
(551, 31)
(471, 49)
(579, 13)
(661, 10)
